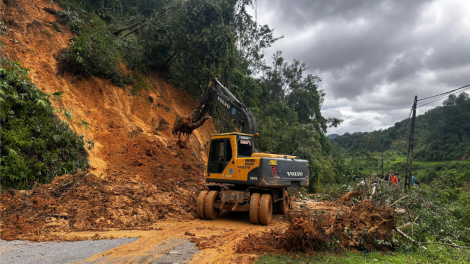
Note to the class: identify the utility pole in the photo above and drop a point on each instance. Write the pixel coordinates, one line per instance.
(409, 160)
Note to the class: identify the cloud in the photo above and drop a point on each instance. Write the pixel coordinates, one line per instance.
(374, 56)
(333, 113)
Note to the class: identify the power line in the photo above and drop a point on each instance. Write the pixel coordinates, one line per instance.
(468, 85)
(444, 96)
(462, 89)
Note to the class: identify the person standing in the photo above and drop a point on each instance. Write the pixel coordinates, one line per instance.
(413, 180)
(394, 179)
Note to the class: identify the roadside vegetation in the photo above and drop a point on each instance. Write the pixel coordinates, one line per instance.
(435, 215)
(434, 254)
(36, 145)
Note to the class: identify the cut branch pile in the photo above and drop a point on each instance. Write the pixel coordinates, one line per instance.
(366, 226)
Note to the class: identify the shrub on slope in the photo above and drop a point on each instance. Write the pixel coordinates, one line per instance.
(35, 145)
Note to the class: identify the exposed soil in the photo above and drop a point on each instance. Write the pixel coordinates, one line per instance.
(139, 172)
(116, 117)
(218, 239)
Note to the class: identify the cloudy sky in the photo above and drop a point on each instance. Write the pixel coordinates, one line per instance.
(374, 56)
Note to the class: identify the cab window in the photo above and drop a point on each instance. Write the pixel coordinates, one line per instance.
(245, 148)
(217, 151)
(220, 154)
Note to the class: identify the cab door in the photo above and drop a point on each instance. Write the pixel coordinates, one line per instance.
(220, 156)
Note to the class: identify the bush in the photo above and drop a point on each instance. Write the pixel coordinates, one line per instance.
(95, 52)
(442, 209)
(36, 145)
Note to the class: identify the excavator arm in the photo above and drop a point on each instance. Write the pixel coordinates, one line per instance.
(227, 101)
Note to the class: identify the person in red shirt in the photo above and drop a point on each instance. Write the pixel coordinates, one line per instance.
(394, 179)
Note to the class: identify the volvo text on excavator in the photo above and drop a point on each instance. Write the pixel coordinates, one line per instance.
(238, 177)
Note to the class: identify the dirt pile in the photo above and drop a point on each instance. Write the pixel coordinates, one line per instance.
(84, 202)
(365, 226)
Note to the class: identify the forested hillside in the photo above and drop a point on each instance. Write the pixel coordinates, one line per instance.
(190, 42)
(193, 41)
(442, 133)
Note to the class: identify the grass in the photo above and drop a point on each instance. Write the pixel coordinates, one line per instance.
(434, 254)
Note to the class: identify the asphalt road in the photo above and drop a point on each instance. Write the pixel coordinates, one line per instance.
(25, 252)
(174, 250)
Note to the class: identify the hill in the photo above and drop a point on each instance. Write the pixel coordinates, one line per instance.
(332, 136)
(442, 133)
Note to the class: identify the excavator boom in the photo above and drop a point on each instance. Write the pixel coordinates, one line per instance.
(227, 101)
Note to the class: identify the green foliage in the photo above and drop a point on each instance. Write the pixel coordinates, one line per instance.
(56, 27)
(84, 123)
(435, 254)
(2, 29)
(95, 52)
(36, 145)
(439, 208)
(68, 114)
(441, 134)
(57, 95)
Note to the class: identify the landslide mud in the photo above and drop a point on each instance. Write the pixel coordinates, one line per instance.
(218, 239)
(138, 173)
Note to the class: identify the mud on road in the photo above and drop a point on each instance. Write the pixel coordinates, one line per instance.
(216, 240)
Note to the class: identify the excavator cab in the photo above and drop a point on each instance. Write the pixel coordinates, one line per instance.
(224, 152)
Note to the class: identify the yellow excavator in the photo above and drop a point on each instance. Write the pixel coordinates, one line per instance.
(238, 177)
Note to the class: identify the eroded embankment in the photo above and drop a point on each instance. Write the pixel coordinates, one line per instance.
(138, 173)
(114, 115)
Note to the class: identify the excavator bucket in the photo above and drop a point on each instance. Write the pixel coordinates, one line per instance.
(185, 126)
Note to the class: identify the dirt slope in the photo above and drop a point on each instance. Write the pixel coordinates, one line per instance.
(116, 118)
(138, 172)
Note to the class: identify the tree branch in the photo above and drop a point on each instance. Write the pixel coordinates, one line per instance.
(412, 225)
(446, 244)
(398, 200)
(125, 28)
(142, 22)
(411, 239)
